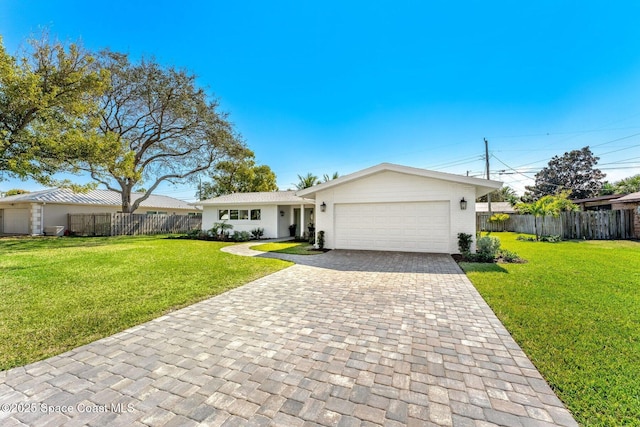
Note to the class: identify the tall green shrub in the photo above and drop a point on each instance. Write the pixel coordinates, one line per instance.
(321, 239)
(487, 248)
(464, 243)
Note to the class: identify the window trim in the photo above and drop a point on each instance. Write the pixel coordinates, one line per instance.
(251, 214)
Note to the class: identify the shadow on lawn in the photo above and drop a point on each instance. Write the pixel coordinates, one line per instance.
(30, 243)
(479, 267)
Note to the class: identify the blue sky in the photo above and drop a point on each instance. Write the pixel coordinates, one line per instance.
(338, 86)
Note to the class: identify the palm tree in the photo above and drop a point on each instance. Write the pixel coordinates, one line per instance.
(504, 194)
(327, 177)
(546, 206)
(309, 180)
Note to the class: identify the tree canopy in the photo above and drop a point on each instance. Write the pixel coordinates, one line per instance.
(627, 185)
(326, 177)
(47, 109)
(15, 192)
(306, 181)
(238, 176)
(157, 126)
(549, 205)
(504, 194)
(574, 171)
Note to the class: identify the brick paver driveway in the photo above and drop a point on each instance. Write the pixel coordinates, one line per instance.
(349, 339)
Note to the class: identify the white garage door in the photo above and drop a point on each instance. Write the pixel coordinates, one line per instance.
(407, 227)
(16, 221)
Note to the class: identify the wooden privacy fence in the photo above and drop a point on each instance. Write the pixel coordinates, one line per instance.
(590, 225)
(121, 224)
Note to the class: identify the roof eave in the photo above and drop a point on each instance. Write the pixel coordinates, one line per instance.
(255, 203)
(483, 186)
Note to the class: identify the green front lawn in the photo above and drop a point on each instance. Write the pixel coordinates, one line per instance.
(574, 308)
(58, 294)
(293, 248)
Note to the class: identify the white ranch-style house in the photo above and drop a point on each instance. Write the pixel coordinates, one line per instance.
(274, 211)
(385, 207)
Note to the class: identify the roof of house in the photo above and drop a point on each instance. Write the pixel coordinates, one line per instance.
(597, 199)
(631, 197)
(483, 186)
(502, 207)
(268, 197)
(94, 197)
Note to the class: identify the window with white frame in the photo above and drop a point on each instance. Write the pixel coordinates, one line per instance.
(239, 214)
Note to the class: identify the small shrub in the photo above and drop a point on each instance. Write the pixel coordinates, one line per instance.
(469, 257)
(220, 230)
(257, 233)
(551, 239)
(464, 242)
(487, 248)
(499, 217)
(526, 238)
(509, 256)
(321, 239)
(241, 236)
(194, 233)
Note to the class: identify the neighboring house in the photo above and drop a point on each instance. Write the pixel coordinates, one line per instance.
(274, 211)
(384, 207)
(630, 202)
(496, 207)
(31, 213)
(600, 203)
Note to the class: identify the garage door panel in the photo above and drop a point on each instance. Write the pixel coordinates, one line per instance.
(420, 227)
(16, 221)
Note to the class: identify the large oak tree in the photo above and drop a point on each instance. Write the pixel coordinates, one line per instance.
(161, 127)
(48, 108)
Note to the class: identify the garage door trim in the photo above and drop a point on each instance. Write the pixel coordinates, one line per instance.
(416, 226)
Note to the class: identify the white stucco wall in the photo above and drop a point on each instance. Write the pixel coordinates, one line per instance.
(268, 219)
(390, 186)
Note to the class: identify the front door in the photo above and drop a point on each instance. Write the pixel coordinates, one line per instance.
(296, 221)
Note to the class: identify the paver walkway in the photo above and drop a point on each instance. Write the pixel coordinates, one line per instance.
(341, 339)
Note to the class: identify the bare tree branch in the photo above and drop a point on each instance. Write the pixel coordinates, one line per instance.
(164, 126)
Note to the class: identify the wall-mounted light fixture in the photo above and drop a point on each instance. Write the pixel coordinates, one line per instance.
(281, 213)
(463, 204)
(323, 207)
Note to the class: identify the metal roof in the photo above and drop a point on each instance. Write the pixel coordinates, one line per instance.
(95, 198)
(268, 197)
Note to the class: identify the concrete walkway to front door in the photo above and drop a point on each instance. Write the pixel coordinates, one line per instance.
(341, 339)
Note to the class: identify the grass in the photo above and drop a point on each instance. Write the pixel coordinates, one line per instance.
(58, 294)
(574, 308)
(293, 248)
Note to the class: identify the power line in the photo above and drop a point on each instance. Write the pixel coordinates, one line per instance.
(591, 146)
